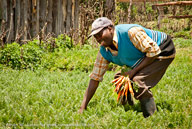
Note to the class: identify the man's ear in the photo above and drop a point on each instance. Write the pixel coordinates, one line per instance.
(110, 28)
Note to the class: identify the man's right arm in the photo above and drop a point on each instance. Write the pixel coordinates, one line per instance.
(100, 67)
(93, 84)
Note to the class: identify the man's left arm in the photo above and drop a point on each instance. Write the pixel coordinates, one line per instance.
(145, 62)
(145, 44)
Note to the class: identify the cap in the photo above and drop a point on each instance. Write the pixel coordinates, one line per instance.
(99, 24)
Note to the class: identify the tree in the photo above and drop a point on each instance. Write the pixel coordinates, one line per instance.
(129, 12)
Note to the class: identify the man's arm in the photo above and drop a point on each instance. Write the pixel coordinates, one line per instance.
(93, 84)
(145, 44)
(99, 69)
(146, 61)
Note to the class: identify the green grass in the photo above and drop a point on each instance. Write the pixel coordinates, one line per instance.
(41, 98)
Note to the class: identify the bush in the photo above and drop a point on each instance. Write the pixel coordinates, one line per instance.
(34, 54)
(31, 55)
(63, 42)
(10, 56)
(21, 57)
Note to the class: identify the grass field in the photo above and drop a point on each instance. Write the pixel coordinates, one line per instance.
(41, 99)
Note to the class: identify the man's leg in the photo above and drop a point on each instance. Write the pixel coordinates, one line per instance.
(146, 79)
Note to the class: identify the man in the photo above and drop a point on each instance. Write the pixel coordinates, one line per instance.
(146, 51)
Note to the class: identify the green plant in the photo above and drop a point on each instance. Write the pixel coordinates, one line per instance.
(149, 9)
(22, 57)
(183, 34)
(11, 56)
(31, 55)
(63, 42)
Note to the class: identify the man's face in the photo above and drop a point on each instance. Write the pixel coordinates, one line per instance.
(105, 37)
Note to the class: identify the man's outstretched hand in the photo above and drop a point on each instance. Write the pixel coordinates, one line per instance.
(81, 110)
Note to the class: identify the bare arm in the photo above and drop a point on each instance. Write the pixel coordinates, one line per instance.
(146, 61)
(89, 94)
(99, 69)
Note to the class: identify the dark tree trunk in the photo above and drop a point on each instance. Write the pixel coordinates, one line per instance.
(33, 17)
(42, 13)
(59, 18)
(37, 17)
(4, 24)
(25, 29)
(54, 14)
(76, 14)
(49, 16)
(64, 8)
(17, 19)
(10, 35)
(69, 15)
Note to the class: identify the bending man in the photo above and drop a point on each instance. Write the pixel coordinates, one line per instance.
(147, 52)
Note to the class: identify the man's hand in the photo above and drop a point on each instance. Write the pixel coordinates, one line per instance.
(131, 73)
(81, 110)
(89, 94)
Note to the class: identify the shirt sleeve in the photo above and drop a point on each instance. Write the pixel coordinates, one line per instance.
(100, 67)
(143, 42)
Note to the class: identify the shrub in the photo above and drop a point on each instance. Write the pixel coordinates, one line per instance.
(21, 57)
(63, 42)
(10, 55)
(31, 55)
(35, 54)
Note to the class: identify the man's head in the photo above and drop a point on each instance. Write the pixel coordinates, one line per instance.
(102, 30)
